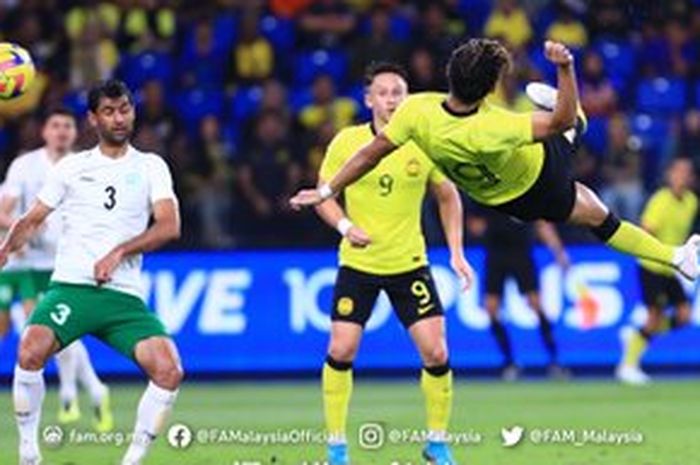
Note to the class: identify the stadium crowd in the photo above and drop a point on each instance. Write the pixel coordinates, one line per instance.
(242, 96)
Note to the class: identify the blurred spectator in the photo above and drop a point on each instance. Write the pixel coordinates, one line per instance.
(209, 181)
(253, 56)
(624, 193)
(434, 34)
(667, 49)
(327, 106)
(377, 45)
(423, 72)
(94, 53)
(608, 18)
(326, 24)
(598, 96)
(567, 29)
(508, 21)
(203, 65)
(154, 112)
(690, 136)
(268, 175)
(274, 98)
(147, 25)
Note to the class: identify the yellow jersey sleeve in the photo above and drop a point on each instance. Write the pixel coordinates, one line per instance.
(401, 126)
(436, 177)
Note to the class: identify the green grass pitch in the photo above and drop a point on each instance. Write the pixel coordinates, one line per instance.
(666, 413)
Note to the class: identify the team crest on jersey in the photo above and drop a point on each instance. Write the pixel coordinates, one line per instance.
(413, 167)
(345, 306)
(133, 179)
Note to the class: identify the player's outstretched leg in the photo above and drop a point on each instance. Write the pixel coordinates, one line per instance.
(159, 359)
(436, 383)
(28, 389)
(625, 237)
(67, 364)
(337, 387)
(98, 391)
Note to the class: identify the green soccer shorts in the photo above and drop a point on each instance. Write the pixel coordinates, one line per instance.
(13, 284)
(118, 319)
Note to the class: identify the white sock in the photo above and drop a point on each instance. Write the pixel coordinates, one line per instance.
(154, 407)
(28, 391)
(87, 376)
(67, 363)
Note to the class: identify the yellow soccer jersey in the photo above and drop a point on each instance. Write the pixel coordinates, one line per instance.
(670, 219)
(489, 154)
(385, 203)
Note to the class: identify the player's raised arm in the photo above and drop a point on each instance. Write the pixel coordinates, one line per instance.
(357, 166)
(22, 229)
(563, 117)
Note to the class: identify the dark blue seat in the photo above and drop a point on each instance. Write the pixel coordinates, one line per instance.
(315, 62)
(661, 95)
(137, 69)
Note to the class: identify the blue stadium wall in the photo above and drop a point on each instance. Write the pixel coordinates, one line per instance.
(255, 312)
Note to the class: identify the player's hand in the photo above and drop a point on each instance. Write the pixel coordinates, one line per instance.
(558, 53)
(305, 198)
(357, 237)
(105, 267)
(464, 270)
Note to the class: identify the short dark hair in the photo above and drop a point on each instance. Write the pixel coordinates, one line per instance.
(380, 67)
(59, 111)
(111, 88)
(474, 68)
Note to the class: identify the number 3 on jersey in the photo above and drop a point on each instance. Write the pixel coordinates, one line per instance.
(111, 202)
(61, 314)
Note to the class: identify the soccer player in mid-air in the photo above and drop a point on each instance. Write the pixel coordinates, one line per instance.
(30, 269)
(517, 163)
(383, 249)
(106, 196)
(669, 215)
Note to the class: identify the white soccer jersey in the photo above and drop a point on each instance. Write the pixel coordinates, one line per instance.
(104, 202)
(25, 177)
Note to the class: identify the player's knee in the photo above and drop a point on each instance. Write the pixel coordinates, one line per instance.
(35, 347)
(436, 356)
(342, 351)
(30, 357)
(168, 375)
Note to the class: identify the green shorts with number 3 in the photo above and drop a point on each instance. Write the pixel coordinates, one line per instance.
(118, 319)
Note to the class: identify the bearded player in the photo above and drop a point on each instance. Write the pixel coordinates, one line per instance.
(106, 196)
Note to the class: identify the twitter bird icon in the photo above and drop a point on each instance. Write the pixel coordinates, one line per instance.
(512, 437)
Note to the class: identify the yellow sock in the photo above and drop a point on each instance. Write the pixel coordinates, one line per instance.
(337, 389)
(635, 241)
(636, 347)
(438, 399)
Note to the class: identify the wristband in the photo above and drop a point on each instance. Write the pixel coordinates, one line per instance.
(344, 226)
(325, 192)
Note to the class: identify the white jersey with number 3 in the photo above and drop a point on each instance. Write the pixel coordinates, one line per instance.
(104, 202)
